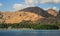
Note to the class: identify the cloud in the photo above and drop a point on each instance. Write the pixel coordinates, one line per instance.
(21, 6)
(46, 1)
(49, 1)
(31, 2)
(56, 1)
(46, 8)
(55, 8)
(1, 4)
(18, 6)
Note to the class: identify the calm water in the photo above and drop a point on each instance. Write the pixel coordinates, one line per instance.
(29, 32)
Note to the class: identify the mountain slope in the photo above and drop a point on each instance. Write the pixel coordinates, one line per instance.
(30, 13)
(37, 10)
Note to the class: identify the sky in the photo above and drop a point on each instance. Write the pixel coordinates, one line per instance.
(13, 5)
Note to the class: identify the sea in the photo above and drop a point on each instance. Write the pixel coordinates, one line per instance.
(16, 32)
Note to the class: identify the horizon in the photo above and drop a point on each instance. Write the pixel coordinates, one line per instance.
(8, 5)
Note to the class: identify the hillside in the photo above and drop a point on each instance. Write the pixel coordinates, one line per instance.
(30, 13)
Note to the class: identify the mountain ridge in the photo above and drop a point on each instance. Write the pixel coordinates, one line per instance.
(30, 13)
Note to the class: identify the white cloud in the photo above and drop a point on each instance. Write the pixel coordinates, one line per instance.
(18, 6)
(46, 8)
(49, 1)
(21, 6)
(1, 4)
(31, 2)
(46, 1)
(55, 8)
(56, 1)
(41, 1)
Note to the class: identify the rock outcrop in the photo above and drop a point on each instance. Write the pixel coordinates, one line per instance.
(52, 12)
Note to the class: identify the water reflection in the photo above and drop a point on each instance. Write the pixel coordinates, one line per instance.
(29, 32)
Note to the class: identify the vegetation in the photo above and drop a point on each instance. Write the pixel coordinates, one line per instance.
(46, 27)
(30, 25)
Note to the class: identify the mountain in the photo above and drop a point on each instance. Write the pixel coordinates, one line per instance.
(37, 10)
(29, 13)
(52, 12)
(16, 17)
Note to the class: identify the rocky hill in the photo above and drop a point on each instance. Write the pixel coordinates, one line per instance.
(30, 13)
(52, 12)
(37, 10)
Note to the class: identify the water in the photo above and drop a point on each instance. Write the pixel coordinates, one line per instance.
(29, 32)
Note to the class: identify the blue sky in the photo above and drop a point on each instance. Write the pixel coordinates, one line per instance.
(10, 5)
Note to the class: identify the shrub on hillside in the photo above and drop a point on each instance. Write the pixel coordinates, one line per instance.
(46, 27)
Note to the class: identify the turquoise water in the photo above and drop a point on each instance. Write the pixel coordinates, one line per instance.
(29, 32)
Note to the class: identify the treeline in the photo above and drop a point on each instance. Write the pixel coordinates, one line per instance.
(30, 25)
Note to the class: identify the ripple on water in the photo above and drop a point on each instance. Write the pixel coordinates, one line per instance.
(29, 32)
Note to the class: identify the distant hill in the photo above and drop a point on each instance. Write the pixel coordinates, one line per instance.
(37, 10)
(29, 13)
(52, 12)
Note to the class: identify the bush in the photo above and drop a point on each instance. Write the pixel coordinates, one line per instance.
(4, 25)
(46, 27)
(36, 26)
